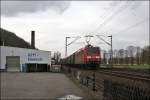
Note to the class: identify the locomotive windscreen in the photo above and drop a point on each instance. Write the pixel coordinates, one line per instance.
(93, 50)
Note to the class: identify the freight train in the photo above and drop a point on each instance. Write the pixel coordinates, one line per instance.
(87, 57)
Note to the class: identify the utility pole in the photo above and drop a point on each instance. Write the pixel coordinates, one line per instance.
(149, 49)
(110, 44)
(111, 51)
(149, 53)
(66, 46)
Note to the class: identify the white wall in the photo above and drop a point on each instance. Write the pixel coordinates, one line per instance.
(26, 55)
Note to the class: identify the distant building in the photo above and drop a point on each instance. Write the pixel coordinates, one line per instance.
(21, 59)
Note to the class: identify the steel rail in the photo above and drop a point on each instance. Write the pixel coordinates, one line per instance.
(126, 75)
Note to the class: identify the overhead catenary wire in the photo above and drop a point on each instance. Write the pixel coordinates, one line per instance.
(76, 38)
(116, 13)
(133, 26)
(125, 6)
(109, 19)
(103, 40)
(104, 15)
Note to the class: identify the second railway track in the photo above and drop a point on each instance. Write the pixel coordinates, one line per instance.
(128, 75)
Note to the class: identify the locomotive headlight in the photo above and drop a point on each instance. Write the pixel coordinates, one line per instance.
(97, 56)
(89, 57)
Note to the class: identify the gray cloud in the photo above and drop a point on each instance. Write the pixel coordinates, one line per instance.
(12, 8)
(128, 26)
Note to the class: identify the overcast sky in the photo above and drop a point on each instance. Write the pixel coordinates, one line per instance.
(126, 21)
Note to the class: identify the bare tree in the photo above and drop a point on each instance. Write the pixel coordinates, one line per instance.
(130, 55)
(57, 57)
(115, 56)
(126, 58)
(138, 55)
(145, 55)
(121, 55)
(131, 52)
(104, 61)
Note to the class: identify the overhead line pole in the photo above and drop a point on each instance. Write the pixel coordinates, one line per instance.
(111, 57)
(66, 43)
(66, 46)
(149, 52)
(111, 49)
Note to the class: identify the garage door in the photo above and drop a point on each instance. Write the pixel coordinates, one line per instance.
(13, 63)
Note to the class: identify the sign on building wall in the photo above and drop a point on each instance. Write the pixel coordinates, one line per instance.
(34, 57)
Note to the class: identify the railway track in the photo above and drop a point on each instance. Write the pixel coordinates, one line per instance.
(116, 84)
(142, 75)
(128, 75)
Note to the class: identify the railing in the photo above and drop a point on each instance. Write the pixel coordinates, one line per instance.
(112, 87)
(89, 81)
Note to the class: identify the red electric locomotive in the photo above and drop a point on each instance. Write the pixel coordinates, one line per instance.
(92, 56)
(87, 57)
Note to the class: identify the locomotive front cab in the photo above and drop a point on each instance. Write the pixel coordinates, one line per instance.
(92, 55)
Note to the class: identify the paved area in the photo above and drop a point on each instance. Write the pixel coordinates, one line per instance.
(37, 86)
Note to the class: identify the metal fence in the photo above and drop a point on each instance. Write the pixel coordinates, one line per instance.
(112, 89)
(122, 91)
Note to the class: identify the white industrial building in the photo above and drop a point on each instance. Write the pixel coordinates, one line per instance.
(22, 59)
